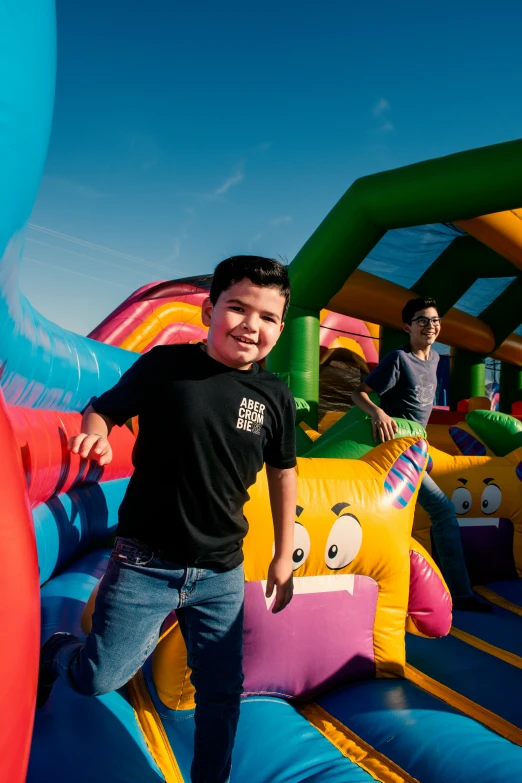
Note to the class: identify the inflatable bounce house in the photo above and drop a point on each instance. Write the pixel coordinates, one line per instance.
(367, 675)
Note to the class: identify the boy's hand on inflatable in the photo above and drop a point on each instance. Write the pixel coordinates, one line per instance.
(94, 447)
(280, 576)
(384, 427)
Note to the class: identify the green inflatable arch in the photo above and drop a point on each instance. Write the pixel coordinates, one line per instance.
(444, 190)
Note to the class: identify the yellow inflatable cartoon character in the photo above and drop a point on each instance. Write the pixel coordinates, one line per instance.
(487, 494)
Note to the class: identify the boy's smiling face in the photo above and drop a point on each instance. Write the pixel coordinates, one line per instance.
(423, 331)
(244, 324)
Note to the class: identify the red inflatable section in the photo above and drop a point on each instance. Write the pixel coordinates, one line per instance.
(19, 610)
(49, 468)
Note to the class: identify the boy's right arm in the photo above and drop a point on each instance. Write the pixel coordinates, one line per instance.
(92, 441)
(122, 401)
(383, 426)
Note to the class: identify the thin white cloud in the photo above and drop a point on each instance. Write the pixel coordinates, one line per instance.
(176, 249)
(235, 179)
(255, 239)
(103, 261)
(387, 127)
(92, 246)
(73, 272)
(381, 106)
(73, 189)
(283, 219)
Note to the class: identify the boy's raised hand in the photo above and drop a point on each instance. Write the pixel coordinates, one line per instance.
(95, 447)
(280, 576)
(384, 427)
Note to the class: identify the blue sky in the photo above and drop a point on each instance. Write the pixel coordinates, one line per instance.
(187, 132)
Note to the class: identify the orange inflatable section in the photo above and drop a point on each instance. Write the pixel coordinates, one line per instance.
(501, 231)
(368, 297)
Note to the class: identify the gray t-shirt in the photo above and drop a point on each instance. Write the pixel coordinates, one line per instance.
(406, 384)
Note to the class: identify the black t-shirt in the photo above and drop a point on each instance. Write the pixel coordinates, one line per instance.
(205, 431)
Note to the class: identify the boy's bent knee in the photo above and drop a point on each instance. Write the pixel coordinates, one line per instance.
(445, 512)
(94, 686)
(94, 682)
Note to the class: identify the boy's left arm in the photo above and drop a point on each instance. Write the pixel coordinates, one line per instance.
(282, 487)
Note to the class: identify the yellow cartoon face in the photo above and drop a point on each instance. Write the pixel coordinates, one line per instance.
(353, 516)
(342, 544)
(487, 495)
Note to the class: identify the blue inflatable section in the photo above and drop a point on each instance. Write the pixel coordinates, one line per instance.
(68, 524)
(473, 673)
(500, 628)
(423, 735)
(42, 365)
(430, 740)
(511, 590)
(75, 738)
(274, 743)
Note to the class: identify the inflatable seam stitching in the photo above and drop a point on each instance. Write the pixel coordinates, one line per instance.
(152, 729)
(353, 747)
(463, 704)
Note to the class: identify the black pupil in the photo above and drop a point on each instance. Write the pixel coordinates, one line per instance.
(332, 552)
(465, 504)
(298, 555)
(485, 503)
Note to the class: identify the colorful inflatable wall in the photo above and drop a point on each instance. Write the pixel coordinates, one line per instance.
(331, 695)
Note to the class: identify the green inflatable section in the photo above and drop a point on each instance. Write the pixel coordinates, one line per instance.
(356, 439)
(500, 432)
(302, 442)
(302, 409)
(351, 416)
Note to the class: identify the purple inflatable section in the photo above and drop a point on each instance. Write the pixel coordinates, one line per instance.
(321, 639)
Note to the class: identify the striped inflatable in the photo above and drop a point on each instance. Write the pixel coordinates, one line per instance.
(402, 479)
(466, 443)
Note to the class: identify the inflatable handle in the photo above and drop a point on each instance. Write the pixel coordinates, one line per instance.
(429, 605)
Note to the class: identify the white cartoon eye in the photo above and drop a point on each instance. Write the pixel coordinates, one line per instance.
(461, 499)
(491, 499)
(301, 545)
(344, 542)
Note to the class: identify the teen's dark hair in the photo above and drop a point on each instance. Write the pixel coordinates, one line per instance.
(260, 271)
(414, 305)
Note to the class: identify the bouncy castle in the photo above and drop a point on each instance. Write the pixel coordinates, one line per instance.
(368, 674)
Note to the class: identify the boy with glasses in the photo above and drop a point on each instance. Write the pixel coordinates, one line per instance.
(406, 380)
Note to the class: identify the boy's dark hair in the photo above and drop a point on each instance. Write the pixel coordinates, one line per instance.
(414, 305)
(260, 271)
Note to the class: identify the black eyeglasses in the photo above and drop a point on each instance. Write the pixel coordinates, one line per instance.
(423, 322)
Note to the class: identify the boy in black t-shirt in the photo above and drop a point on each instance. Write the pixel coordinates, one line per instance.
(210, 416)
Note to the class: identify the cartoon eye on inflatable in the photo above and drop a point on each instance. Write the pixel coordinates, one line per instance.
(491, 499)
(301, 545)
(344, 542)
(462, 500)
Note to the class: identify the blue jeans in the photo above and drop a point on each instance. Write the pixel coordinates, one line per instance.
(446, 537)
(136, 593)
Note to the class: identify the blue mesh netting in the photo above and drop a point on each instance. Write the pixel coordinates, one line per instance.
(404, 254)
(482, 293)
